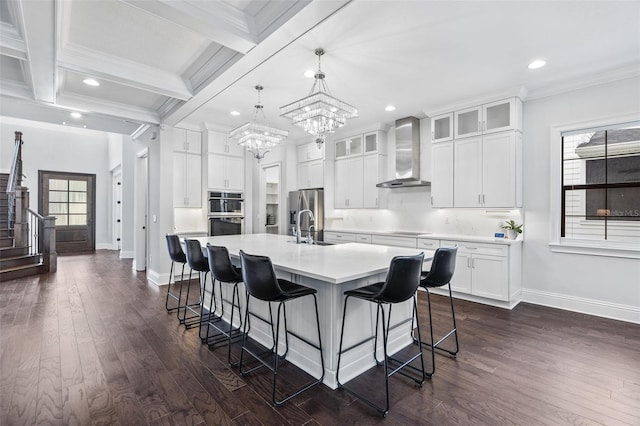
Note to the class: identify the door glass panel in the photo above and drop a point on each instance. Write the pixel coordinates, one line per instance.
(77, 208)
(77, 185)
(61, 220)
(468, 122)
(498, 116)
(442, 128)
(68, 201)
(58, 208)
(58, 196)
(75, 219)
(78, 197)
(58, 185)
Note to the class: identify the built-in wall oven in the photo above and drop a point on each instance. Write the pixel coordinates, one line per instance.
(226, 213)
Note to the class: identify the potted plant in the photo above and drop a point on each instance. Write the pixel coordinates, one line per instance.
(512, 229)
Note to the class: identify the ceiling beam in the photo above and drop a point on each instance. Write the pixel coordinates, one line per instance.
(113, 110)
(119, 70)
(38, 22)
(11, 43)
(216, 21)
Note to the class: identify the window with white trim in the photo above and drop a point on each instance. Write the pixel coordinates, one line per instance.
(601, 184)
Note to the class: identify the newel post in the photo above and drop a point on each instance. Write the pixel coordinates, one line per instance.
(49, 254)
(21, 223)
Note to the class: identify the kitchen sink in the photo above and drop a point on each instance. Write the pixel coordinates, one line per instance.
(315, 243)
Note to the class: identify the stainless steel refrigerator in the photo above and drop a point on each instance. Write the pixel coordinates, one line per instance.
(312, 199)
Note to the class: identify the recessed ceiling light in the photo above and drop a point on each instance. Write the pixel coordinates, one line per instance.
(235, 113)
(309, 73)
(390, 108)
(91, 82)
(538, 63)
(64, 123)
(76, 114)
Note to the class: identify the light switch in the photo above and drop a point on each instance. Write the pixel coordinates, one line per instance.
(155, 218)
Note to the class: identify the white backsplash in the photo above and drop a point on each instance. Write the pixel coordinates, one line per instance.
(409, 209)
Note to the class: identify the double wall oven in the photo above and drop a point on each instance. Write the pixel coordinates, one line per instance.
(226, 213)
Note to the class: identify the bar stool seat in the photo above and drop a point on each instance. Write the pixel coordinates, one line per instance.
(442, 269)
(197, 262)
(261, 283)
(223, 271)
(400, 285)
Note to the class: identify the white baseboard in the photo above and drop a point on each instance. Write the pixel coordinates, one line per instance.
(104, 246)
(126, 254)
(615, 311)
(157, 278)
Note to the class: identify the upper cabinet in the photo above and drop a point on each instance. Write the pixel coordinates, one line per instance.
(187, 168)
(479, 164)
(310, 166)
(218, 143)
(225, 163)
(360, 164)
(442, 128)
(488, 118)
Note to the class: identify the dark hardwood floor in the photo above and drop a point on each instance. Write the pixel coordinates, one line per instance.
(92, 344)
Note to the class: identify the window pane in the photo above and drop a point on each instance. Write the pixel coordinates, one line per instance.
(77, 219)
(78, 208)
(78, 185)
(623, 169)
(571, 143)
(57, 208)
(574, 172)
(58, 196)
(624, 204)
(78, 197)
(61, 220)
(58, 184)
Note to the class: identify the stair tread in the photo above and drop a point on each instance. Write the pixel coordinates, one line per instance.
(24, 256)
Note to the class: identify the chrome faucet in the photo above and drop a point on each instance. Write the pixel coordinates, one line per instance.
(311, 219)
(309, 235)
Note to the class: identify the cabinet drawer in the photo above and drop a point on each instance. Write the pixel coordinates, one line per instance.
(477, 248)
(339, 237)
(384, 240)
(428, 244)
(363, 238)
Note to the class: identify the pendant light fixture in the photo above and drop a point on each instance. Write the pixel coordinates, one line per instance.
(257, 136)
(319, 113)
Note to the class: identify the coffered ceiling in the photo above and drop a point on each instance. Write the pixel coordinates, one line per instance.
(191, 62)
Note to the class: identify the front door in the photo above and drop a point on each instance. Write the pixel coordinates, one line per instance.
(70, 197)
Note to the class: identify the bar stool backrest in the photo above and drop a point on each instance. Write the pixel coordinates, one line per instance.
(442, 267)
(175, 249)
(259, 277)
(195, 258)
(220, 264)
(403, 279)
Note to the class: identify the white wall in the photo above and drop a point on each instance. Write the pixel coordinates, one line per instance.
(602, 285)
(63, 149)
(128, 196)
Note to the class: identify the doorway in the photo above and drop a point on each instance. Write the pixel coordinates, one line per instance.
(70, 197)
(270, 207)
(116, 185)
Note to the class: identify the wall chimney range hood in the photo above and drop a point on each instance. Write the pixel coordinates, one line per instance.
(407, 155)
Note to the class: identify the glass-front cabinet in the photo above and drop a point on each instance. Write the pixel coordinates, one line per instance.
(488, 118)
(349, 146)
(442, 128)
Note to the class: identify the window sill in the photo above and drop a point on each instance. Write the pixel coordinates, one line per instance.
(596, 249)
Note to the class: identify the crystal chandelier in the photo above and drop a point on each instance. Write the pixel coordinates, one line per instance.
(319, 113)
(257, 136)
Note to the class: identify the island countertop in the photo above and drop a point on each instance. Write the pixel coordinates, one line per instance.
(333, 263)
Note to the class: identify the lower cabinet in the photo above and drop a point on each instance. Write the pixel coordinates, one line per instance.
(482, 270)
(339, 237)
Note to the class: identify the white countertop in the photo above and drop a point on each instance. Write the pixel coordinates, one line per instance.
(334, 264)
(434, 236)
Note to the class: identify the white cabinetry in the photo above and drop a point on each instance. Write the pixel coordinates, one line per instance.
(488, 171)
(310, 166)
(393, 240)
(478, 161)
(187, 168)
(337, 237)
(493, 117)
(486, 270)
(360, 165)
(442, 174)
(225, 163)
(442, 128)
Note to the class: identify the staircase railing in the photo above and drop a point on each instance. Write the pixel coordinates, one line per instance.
(15, 179)
(42, 238)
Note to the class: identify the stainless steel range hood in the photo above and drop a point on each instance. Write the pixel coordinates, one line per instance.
(407, 155)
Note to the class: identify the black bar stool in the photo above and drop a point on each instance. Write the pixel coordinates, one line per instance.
(223, 271)
(261, 283)
(177, 256)
(400, 285)
(442, 269)
(197, 262)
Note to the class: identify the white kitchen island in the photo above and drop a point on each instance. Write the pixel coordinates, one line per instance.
(331, 270)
